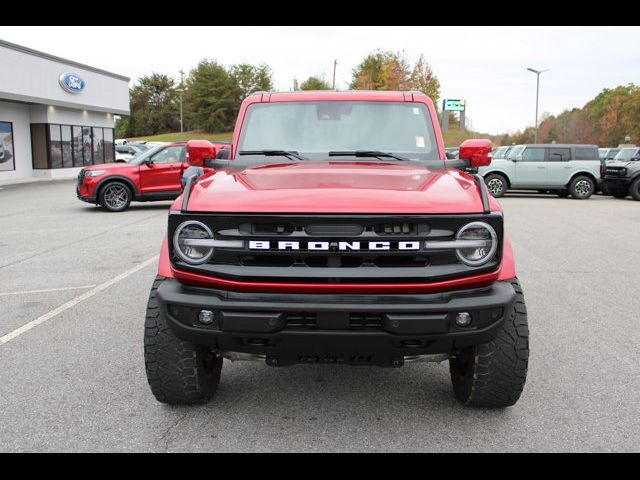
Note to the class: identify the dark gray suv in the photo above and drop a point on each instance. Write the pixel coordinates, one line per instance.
(621, 177)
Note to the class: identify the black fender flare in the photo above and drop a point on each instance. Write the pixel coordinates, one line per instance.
(498, 172)
(584, 174)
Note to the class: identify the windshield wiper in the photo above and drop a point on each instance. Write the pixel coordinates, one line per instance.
(274, 153)
(369, 154)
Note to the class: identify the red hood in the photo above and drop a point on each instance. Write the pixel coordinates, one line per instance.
(337, 187)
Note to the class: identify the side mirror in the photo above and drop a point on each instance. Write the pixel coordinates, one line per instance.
(191, 171)
(198, 151)
(476, 152)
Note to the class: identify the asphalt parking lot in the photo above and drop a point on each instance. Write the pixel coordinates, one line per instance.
(73, 379)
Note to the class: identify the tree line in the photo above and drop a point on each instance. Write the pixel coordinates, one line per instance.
(211, 94)
(606, 120)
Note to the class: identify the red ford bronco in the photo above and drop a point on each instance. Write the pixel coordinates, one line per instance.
(337, 232)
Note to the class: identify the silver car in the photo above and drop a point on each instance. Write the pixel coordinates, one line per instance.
(560, 168)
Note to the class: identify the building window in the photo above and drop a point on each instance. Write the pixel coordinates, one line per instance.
(98, 145)
(7, 161)
(65, 146)
(55, 150)
(39, 146)
(87, 145)
(65, 140)
(78, 156)
(109, 153)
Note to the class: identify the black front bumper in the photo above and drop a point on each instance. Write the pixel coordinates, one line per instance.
(85, 199)
(617, 182)
(319, 328)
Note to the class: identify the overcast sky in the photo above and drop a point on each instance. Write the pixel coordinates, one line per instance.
(484, 65)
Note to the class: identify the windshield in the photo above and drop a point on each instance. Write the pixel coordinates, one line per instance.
(315, 128)
(139, 148)
(500, 152)
(626, 154)
(139, 159)
(514, 152)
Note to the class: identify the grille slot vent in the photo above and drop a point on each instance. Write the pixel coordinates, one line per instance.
(361, 321)
(302, 320)
(405, 228)
(345, 230)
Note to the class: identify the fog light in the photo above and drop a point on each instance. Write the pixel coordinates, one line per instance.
(205, 317)
(463, 319)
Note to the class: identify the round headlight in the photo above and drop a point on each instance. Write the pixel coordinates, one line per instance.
(483, 243)
(187, 245)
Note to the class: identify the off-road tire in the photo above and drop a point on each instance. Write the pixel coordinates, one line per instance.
(492, 375)
(634, 189)
(109, 203)
(179, 372)
(493, 181)
(582, 187)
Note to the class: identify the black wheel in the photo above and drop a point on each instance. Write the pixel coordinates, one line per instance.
(618, 193)
(115, 196)
(493, 374)
(496, 184)
(179, 372)
(581, 187)
(634, 189)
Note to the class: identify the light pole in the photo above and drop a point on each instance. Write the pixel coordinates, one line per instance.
(537, 72)
(335, 63)
(181, 91)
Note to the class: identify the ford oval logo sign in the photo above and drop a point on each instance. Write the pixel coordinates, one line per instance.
(71, 82)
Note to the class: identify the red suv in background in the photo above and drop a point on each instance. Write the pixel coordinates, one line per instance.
(153, 175)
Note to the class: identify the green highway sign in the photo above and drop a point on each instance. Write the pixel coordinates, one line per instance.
(453, 105)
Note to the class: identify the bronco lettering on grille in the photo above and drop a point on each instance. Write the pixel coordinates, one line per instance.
(324, 245)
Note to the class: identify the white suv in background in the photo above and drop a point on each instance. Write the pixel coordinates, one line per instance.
(564, 169)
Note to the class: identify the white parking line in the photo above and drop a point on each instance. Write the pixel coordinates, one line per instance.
(71, 303)
(46, 290)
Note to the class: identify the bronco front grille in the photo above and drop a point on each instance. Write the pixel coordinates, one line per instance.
(335, 248)
(616, 171)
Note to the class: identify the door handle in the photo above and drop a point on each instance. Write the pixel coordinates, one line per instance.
(540, 168)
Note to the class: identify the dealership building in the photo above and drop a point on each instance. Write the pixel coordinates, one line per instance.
(56, 115)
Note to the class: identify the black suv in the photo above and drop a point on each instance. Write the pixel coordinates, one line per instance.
(621, 177)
